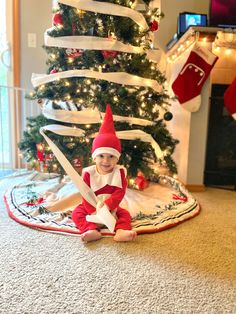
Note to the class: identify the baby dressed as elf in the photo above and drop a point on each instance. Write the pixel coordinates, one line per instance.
(108, 181)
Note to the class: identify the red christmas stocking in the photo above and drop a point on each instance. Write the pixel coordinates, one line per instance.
(230, 98)
(188, 84)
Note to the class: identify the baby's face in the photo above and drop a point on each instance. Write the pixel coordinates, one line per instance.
(105, 163)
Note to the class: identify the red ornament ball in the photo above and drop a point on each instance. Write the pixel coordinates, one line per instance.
(57, 19)
(53, 71)
(109, 53)
(154, 26)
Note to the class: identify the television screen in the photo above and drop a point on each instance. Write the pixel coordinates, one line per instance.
(190, 19)
(223, 13)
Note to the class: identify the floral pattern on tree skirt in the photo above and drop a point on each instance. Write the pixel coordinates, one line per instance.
(44, 202)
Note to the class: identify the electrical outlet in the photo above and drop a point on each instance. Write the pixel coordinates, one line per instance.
(32, 41)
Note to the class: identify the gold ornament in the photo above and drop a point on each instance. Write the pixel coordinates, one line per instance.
(81, 13)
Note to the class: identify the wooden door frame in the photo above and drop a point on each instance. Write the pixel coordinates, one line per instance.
(16, 54)
(16, 42)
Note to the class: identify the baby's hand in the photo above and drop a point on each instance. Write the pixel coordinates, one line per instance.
(100, 204)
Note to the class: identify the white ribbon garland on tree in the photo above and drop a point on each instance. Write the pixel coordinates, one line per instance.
(90, 42)
(143, 136)
(109, 9)
(86, 116)
(124, 135)
(99, 43)
(122, 78)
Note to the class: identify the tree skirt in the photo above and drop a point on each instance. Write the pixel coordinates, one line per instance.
(44, 202)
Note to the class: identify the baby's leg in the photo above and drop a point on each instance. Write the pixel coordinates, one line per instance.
(91, 235)
(123, 226)
(88, 230)
(79, 217)
(125, 235)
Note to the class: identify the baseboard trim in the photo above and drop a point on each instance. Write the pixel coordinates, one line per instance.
(195, 187)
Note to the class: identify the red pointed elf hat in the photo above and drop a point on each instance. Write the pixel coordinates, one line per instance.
(106, 142)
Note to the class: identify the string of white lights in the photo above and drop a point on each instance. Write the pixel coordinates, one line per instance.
(221, 41)
(225, 41)
(183, 44)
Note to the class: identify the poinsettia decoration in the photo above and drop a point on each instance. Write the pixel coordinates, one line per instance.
(74, 53)
(109, 53)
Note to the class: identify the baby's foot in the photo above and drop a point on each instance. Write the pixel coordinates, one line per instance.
(125, 235)
(91, 235)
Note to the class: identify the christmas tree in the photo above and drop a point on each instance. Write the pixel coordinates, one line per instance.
(101, 53)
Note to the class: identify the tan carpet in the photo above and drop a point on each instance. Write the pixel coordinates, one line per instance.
(190, 268)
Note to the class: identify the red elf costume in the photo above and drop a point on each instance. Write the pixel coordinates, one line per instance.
(109, 188)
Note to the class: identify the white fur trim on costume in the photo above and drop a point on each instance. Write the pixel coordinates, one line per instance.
(106, 150)
(98, 181)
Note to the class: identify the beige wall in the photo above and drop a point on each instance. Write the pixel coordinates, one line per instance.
(35, 17)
